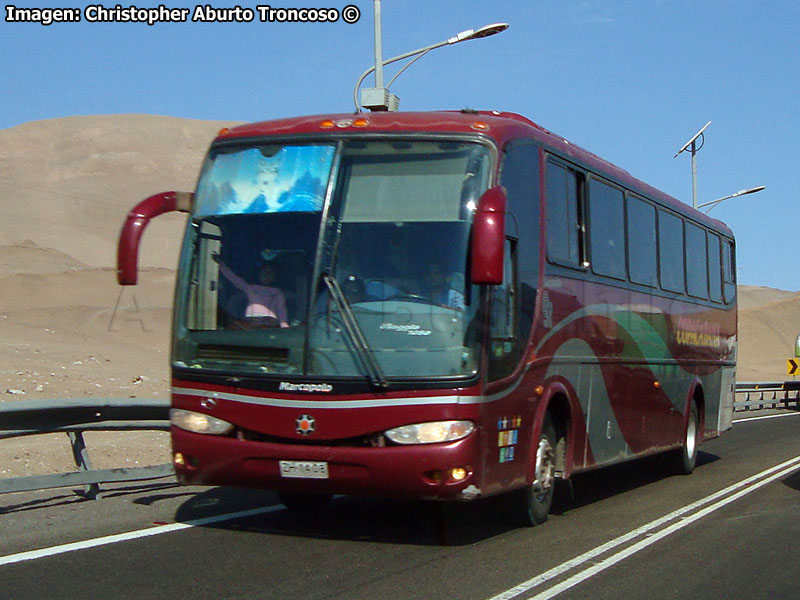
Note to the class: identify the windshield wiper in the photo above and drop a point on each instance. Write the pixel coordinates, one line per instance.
(371, 366)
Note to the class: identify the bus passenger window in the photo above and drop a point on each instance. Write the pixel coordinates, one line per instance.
(563, 216)
(696, 261)
(642, 242)
(714, 268)
(671, 252)
(729, 270)
(606, 230)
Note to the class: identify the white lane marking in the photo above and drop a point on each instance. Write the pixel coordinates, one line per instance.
(641, 545)
(132, 535)
(731, 491)
(791, 465)
(791, 414)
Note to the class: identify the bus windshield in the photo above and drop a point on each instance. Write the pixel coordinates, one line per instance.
(332, 260)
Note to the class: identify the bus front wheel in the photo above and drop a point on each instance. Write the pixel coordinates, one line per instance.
(534, 501)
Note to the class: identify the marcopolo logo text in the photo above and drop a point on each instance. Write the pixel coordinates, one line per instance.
(286, 386)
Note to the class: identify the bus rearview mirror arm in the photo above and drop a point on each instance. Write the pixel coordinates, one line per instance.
(488, 238)
(135, 223)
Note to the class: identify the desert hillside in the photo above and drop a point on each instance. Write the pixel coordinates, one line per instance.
(66, 327)
(769, 322)
(66, 184)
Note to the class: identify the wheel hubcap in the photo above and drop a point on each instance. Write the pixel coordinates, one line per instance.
(545, 469)
(691, 436)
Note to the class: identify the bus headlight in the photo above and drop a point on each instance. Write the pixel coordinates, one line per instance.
(431, 433)
(198, 422)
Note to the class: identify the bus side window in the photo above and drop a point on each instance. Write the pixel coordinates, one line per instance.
(729, 270)
(514, 301)
(503, 344)
(671, 252)
(606, 230)
(204, 295)
(642, 255)
(564, 219)
(714, 267)
(696, 261)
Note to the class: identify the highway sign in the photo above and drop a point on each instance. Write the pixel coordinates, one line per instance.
(793, 366)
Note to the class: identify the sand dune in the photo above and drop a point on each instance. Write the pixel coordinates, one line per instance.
(754, 296)
(66, 327)
(67, 184)
(767, 333)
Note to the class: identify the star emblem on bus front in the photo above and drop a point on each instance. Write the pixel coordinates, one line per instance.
(305, 425)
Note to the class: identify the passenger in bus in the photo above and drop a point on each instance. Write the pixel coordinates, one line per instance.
(266, 305)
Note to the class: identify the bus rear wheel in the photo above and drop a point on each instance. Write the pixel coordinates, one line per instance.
(533, 502)
(684, 459)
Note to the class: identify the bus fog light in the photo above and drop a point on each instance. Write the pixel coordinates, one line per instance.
(179, 460)
(431, 433)
(199, 422)
(458, 474)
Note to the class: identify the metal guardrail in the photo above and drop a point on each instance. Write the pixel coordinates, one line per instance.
(767, 395)
(74, 416)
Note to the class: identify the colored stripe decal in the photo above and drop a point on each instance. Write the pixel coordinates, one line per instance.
(318, 403)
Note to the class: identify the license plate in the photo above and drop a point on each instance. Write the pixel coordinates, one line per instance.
(297, 469)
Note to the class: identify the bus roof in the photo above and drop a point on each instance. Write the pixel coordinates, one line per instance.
(501, 127)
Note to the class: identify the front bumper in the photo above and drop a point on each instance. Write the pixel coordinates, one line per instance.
(418, 471)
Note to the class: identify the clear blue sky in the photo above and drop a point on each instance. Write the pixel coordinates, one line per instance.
(630, 80)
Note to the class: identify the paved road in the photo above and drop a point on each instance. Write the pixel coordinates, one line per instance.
(730, 530)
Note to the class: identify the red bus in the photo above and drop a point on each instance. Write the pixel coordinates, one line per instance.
(440, 305)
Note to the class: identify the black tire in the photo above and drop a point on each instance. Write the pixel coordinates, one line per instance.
(532, 504)
(684, 459)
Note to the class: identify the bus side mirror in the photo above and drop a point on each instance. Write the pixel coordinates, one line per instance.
(489, 238)
(135, 223)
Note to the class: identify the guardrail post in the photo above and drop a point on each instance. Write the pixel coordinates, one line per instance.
(75, 416)
(81, 455)
(772, 394)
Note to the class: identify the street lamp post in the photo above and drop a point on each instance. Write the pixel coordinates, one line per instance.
(713, 203)
(379, 98)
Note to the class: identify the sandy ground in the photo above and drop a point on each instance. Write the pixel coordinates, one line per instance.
(68, 330)
(77, 334)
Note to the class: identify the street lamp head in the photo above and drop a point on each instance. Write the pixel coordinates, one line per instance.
(488, 30)
(750, 191)
(379, 98)
(713, 203)
(482, 32)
